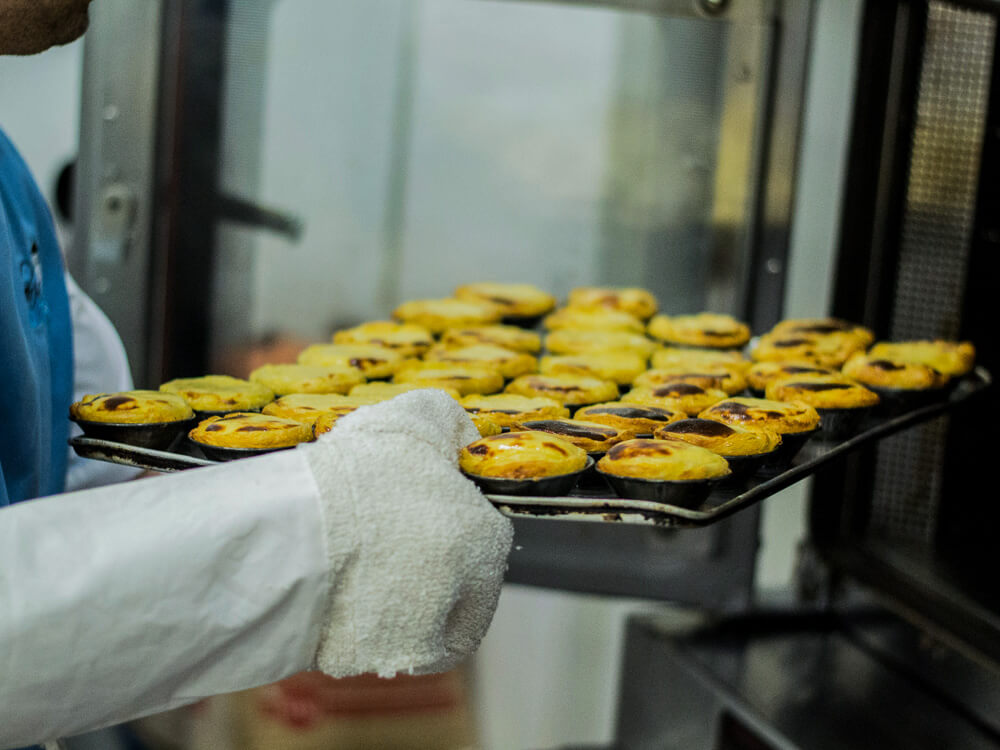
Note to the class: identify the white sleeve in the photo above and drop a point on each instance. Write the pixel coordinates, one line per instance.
(100, 365)
(365, 551)
(133, 599)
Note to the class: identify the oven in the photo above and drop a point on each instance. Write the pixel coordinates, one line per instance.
(256, 174)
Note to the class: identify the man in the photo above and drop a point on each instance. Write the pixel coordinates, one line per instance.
(121, 601)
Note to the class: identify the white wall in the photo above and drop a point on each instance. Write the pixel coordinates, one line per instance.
(547, 673)
(40, 109)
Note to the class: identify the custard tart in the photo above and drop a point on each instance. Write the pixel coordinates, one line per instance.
(307, 408)
(220, 393)
(508, 363)
(577, 341)
(826, 350)
(620, 367)
(762, 373)
(375, 362)
(513, 300)
(842, 403)
(725, 439)
(723, 377)
(569, 390)
(666, 471)
(149, 419)
(822, 392)
(132, 407)
(692, 357)
(325, 422)
(485, 425)
(593, 319)
(593, 437)
(900, 385)
(757, 413)
(686, 397)
(705, 330)
(822, 327)
(744, 449)
(373, 393)
(438, 315)
(954, 358)
(876, 372)
(246, 433)
(406, 339)
(509, 337)
(794, 422)
(664, 460)
(507, 409)
(636, 418)
(285, 378)
(464, 378)
(638, 302)
(519, 455)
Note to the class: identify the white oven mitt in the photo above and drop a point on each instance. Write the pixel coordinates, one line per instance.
(417, 553)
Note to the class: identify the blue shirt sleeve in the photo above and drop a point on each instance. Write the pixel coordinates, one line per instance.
(36, 369)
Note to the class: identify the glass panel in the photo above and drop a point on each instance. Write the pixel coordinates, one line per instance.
(427, 144)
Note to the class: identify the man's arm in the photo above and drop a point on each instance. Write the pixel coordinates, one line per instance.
(121, 601)
(366, 551)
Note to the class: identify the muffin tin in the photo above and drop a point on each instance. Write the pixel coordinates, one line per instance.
(222, 453)
(594, 503)
(893, 401)
(155, 435)
(550, 486)
(681, 493)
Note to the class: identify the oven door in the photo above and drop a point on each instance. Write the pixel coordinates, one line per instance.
(263, 172)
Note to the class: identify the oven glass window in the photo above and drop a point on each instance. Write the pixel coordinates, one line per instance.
(421, 145)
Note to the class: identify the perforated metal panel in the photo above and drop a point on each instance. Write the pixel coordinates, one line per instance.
(936, 231)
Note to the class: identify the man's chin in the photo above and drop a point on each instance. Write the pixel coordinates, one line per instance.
(72, 31)
(30, 39)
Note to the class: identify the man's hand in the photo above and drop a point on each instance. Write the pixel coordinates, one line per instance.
(417, 553)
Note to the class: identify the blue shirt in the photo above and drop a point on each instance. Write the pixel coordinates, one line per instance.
(36, 345)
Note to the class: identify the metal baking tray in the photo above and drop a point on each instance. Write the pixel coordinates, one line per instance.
(595, 505)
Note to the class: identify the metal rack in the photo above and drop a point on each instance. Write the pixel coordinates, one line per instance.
(592, 505)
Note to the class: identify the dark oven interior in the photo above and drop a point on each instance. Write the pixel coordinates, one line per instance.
(915, 518)
(895, 640)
